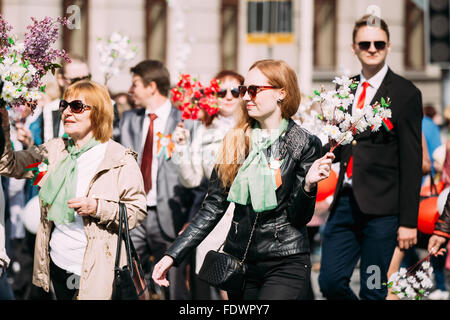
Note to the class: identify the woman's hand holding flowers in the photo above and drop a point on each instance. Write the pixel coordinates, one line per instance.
(319, 171)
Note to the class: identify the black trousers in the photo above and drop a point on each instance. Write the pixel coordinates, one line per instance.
(150, 240)
(65, 284)
(286, 278)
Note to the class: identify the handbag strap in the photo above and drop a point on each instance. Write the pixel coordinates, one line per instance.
(124, 234)
(250, 239)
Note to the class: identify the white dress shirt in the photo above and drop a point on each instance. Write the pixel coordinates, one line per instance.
(159, 124)
(374, 85)
(68, 241)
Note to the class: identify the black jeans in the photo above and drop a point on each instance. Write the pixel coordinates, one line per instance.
(65, 284)
(284, 278)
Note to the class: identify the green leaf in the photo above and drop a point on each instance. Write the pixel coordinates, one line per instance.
(42, 89)
(317, 93)
(353, 86)
(10, 40)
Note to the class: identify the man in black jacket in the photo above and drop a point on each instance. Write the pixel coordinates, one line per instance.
(376, 201)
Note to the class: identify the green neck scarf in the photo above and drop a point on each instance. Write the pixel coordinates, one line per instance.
(61, 184)
(254, 180)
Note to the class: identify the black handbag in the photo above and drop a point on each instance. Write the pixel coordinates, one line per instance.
(223, 271)
(129, 281)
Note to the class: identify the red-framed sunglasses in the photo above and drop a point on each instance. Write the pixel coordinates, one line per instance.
(253, 90)
(76, 106)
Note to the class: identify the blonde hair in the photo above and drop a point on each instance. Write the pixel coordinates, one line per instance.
(102, 113)
(236, 143)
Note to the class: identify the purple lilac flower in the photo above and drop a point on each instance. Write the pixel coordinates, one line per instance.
(38, 41)
(4, 36)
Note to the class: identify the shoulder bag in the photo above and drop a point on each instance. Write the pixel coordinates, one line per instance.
(222, 270)
(129, 281)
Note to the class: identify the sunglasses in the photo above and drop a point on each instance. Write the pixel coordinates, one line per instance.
(253, 90)
(365, 45)
(223, 92)
(76, 106)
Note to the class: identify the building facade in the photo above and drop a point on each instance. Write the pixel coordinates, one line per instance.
(201, 37)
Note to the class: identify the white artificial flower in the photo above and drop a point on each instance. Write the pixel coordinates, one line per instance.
(425, 265)
(402, 272)
(410, 292)
(339, 115)
(421, 275)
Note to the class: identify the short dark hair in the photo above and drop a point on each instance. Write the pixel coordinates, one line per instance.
(370, 20)
(230, 74)
(153, 70)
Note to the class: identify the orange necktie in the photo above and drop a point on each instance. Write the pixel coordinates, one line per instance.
(359, 105)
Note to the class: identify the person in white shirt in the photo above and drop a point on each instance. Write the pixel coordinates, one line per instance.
(82, 179)
(195, 160)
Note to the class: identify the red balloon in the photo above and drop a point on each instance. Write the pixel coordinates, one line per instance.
(326, 187)
(428, 215)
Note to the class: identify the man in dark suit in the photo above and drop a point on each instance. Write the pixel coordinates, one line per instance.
(144, 129)
(376, 200)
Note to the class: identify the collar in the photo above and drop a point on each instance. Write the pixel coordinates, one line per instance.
(377, 79)
(163, 111)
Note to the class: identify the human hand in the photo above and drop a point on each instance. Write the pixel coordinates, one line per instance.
(319, 171)
(24, 135)
(83, 206)
(434, 245)
(181, 135)
(160, 271)
(406, 237)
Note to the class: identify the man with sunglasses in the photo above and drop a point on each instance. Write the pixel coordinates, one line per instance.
(376, 201)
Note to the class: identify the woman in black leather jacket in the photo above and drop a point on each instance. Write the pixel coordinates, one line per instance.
(269, 167)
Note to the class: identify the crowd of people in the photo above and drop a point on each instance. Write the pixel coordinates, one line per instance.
(244, 178)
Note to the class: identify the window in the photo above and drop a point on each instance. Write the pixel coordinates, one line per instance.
(75, 39)
(325, 34)
(156, 29)
(414, 37)
(229, 34)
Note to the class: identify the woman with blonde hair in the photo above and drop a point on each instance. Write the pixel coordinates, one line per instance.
(82, 179)
(269, 167)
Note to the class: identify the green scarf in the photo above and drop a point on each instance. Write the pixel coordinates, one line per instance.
(254, 181)
(61, 184)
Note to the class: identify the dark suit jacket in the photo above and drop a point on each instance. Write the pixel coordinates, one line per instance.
(387, 166)
(173, 200)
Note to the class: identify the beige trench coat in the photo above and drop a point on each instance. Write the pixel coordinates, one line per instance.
(118, 178)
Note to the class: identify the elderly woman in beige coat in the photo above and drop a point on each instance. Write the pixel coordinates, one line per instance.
(82, 179)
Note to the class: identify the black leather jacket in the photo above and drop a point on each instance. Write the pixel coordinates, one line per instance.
(279, 232)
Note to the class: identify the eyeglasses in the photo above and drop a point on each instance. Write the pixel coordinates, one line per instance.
(76, 106)
(253, 90)
(365, 45)
(223, 92)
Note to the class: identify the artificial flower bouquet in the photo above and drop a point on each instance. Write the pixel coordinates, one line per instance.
(413, 283)
(23, 64)
(189, 95)
(338, 124)
(114, 54)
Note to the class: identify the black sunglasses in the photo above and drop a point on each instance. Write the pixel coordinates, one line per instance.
(223, 92)
(253, 90)
(365, 45)
(76, 106)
